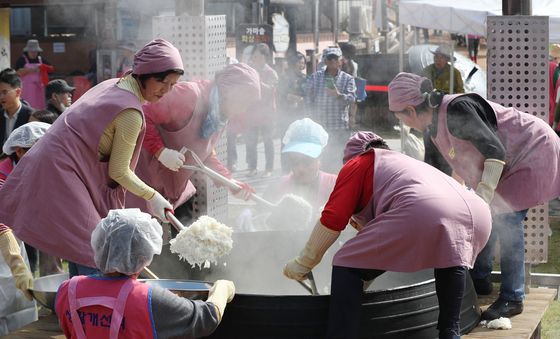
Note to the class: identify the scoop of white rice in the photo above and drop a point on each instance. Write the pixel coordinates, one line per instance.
(203, 242)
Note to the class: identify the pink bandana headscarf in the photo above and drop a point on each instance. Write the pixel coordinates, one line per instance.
(157, 56)
(357, 144)
(239, 75)
(404, 90)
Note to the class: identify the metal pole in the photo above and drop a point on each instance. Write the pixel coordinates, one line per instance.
(385, 44)
(316, 26)
(260, 14)
(516, 7)
(452, 70)
(335, 20)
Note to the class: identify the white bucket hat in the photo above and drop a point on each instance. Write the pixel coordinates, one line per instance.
(32, 46)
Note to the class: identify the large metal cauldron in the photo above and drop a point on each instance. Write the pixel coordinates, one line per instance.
(268, 305)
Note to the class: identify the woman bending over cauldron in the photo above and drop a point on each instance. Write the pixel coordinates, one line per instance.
(511, 158)
(115, 305)
(193, 115)
(410, 216)
(85, 163)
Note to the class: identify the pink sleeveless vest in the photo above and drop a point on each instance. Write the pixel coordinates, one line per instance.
(60, 190)
(33, 90)
(176, 186)
(531, 175)
(417, 218)
(95, 307)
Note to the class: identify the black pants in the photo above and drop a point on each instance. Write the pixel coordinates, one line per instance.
(346, 300)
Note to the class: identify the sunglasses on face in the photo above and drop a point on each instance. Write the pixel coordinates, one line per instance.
(332, 57)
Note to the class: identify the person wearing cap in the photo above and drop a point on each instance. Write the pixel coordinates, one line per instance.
(304, 142)
(59, 96)
(409, 216)
(15, 310)
(114, 304)
(13, 111)
(193, 115)
(509, 157)
(32, 69)
(439, 72)
(89, 155)
(329, 94)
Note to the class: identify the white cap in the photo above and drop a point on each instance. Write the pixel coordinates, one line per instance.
(25, 136)
(305, 136)
(125, 241)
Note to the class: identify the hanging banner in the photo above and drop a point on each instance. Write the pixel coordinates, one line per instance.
(4, 38)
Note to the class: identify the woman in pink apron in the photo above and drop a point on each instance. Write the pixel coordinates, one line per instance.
(193, 115)
(410, 217)
(304, 142)
(82, 167)
(32, 68)
(115, 305)
(511, 158)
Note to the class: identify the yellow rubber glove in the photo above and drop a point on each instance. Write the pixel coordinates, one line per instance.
(11, 253)
(220, 294)
(319, 242)
(490, 177)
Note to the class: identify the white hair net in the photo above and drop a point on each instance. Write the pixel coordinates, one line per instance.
(25, 136)
(125, 241)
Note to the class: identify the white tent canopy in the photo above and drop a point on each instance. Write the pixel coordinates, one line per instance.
(469, 16)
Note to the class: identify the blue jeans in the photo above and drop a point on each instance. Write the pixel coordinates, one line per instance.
(77, 269)
(508, 228)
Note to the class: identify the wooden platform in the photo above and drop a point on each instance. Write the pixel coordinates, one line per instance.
(525, 325)
(45, 327)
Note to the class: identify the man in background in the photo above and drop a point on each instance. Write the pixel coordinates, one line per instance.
(13, 111)
(439, 72)
(59, 96)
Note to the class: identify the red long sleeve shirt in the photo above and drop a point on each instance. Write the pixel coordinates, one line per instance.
(352, 192)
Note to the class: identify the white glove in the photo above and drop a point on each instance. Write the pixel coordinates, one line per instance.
(157, 206)
(490, 177)
(220, 294)
(171, 159)
(319, 241)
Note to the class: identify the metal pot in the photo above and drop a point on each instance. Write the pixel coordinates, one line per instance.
(196, 290)
(45, 288)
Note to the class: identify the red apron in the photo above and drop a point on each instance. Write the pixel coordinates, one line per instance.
(104, 308)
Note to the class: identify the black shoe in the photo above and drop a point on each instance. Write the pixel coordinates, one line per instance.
(483, 286)
(502, 308)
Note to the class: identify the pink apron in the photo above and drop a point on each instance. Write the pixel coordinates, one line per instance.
(175, 186)
(60, 190)
(127, 315)
(417, 218)
(33, 89)
(531, 175)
